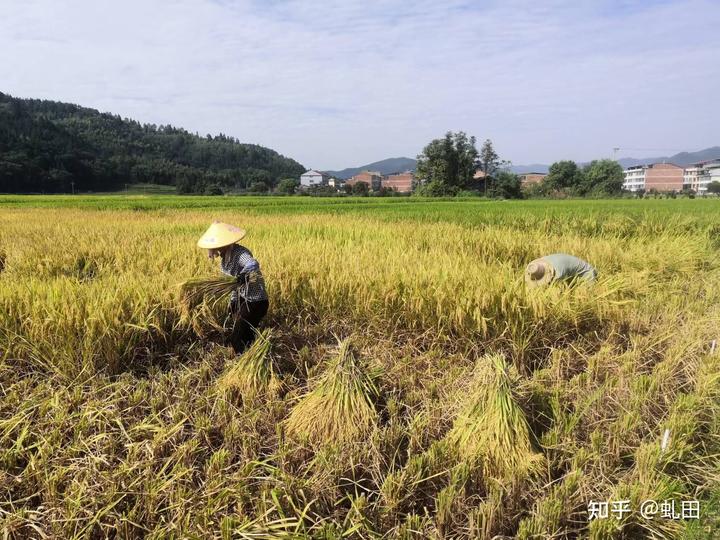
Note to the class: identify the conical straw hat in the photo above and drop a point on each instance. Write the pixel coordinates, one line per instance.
(539, 272)
(219, 235)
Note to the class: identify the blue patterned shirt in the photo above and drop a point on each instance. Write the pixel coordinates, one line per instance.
(240, 263)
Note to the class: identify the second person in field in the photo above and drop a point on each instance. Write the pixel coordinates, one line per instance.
(558, 267)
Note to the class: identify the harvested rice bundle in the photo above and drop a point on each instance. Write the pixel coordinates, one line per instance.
(199, 292)
(492, 427)
(341, 408)
(252, 375)
(194, 291)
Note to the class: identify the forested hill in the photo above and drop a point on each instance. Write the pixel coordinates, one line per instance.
(53, 147)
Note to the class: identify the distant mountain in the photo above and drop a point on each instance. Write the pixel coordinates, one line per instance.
(535, 167)
(386, 166)
(53, 147)
(683, 159)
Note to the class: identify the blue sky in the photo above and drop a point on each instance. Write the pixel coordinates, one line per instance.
(339, 84)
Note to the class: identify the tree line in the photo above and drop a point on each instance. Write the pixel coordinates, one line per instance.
(53, 147)
(449, 166)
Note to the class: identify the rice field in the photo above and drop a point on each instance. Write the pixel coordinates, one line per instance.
(406, 383)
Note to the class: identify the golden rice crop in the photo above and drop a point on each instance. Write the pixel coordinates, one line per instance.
(115, 420)
(341, 407)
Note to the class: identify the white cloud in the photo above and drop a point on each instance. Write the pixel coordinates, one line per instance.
(344, 83)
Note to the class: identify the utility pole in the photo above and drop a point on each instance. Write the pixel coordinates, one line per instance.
(72, 186)
(615, 151)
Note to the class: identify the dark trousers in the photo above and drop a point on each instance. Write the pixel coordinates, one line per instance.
(246, 317)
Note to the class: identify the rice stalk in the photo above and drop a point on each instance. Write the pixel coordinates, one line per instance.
(558, 509)
(492, 428)
(486, 519)
(341, 408)
(252, 375)
(197, 291)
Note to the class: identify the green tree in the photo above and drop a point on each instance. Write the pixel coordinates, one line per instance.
(384, 192)
(450, 161)
(52, 147)
(535, 190)
(506, 185)
(288, 186)
(489, 163)
(603, 176)
(713, 187)
(563, 175)
(258, 187)
(321, 190)
(213, 189)
(436, 188)
(361, 188)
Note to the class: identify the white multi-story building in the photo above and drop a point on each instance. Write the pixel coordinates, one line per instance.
(669, 177)
(691, 177)
(314, 178)
(634, 178)
(710, 173)
(654, 177)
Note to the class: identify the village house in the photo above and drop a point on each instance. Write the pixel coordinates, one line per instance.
(314, 178)
(400, 182)
(371, 178)
(527, 179)
(656, 176)
(335, 183)
(691, 177)
(710, 173)
(698, 175)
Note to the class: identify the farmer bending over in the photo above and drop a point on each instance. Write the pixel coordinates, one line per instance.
(249, 301)
(558, 267)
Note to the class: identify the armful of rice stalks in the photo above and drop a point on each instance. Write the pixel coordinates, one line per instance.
(194, 291)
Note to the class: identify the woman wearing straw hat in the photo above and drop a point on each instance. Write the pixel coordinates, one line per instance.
(558, 267)
(249, 301)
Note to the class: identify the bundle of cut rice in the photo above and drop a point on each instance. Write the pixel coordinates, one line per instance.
(252, 375)
(196, 291)
(198, 298)
(341, 407)
(492, 427)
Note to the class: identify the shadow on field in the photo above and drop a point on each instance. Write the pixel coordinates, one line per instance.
(295, 345)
